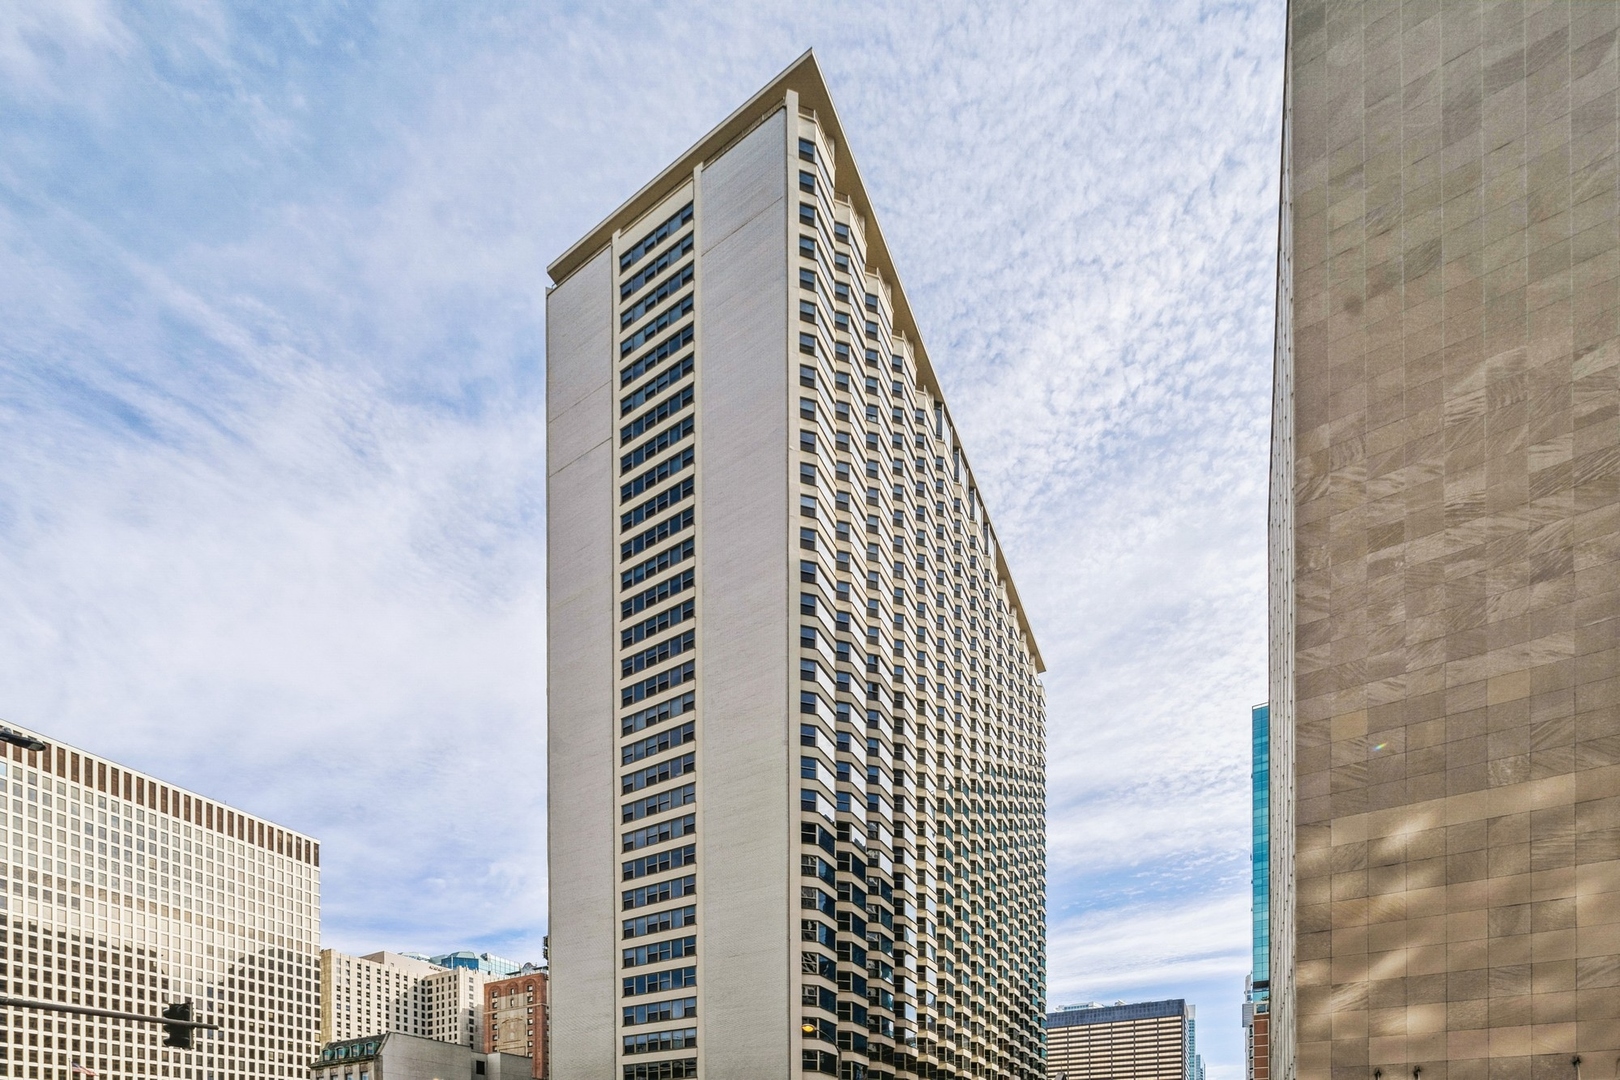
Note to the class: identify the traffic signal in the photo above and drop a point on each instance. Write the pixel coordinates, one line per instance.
(178, 1035)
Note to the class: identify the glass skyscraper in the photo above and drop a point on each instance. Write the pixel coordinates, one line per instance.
(1261, 857)
(1256, 1005)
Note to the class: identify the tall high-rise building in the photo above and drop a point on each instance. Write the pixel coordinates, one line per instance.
(1445, 543)
(383, 991)
(796, 737)
(1257, 1000)
(128, 893)
(1142, 1040)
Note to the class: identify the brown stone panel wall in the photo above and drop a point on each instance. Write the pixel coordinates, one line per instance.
(1456, 320)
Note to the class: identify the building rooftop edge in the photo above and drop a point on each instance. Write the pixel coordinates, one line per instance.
(97, 755)
(803, 77)
(1131, 1010)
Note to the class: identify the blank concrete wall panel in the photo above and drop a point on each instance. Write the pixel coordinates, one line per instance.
(579, 599)
(747, 1014)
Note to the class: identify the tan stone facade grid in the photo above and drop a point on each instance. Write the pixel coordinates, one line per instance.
(1455, 486)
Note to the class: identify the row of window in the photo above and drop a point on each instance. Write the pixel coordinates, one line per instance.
(684, 611)
(656, 654)
(657, 504)
(675, 378)
(677, 1069)
(661, 803)
(677, 311)
(653, 745)
(657, 684)
(660, 922)
(657, 534)
(666, 288)
(660, 1012)
(670, 346)
(656, 714)
(660, 952)
(679, 1039)
(679, 249)
(658, 473)
(842, 439)
(659, 862)
(657, 773)
(658, 235)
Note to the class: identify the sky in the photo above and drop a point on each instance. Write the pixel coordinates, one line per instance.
(272, 508)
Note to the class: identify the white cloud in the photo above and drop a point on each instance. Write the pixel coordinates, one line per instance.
(1105, 954)
(41, 41)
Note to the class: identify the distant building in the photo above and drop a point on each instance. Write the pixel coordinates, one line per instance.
(391, 992)
(517, 1014)
(496, 967)
(397, 1056)
(1145, 1040)
(1257, 996)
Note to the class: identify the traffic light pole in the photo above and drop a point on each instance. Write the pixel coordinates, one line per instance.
(85, 1010)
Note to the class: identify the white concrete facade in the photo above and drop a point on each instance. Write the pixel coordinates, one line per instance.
(796, 738)
(383, 991)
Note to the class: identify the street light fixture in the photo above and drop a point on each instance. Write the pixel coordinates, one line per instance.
(17, 738)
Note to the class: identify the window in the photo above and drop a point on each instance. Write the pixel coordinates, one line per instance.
(807, 441)
(807, 408)
(807, 570)
(807, 344)
(807, 375)
(807, 247)
(807, 279)
(807, 506)
(807, 770)
(841, 232)
(662, 232)
(807, 473)
(807, 539)
(807, 181)
(807, 150)
(807, 311)
(871, 302)
(807, 214)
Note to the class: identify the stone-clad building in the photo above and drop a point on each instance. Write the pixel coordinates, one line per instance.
(1445, 541)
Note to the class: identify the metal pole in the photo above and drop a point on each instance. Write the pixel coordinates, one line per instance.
(85, 1010)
